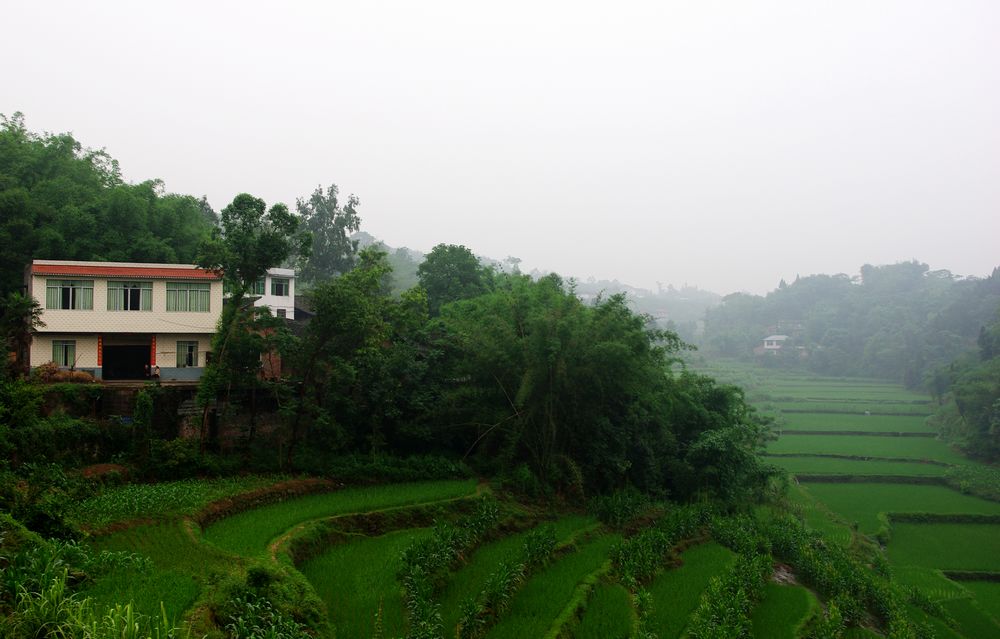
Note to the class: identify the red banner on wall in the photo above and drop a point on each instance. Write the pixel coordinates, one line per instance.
(152, 352)
(100, 350)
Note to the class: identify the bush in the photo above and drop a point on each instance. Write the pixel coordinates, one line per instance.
(387, 468)
(620, 507)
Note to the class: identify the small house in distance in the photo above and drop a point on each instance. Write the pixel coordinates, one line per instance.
(276, 291)
(772, 344)
(124, 320)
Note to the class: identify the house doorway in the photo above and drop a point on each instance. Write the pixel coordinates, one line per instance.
(126, 356)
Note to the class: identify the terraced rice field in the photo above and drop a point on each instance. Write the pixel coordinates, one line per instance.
(357, 580)
(676, 592)
(916, 550)
(913, 448)
(859, 423)
(969, 547)
(249, 533)
(547, 593)
(609, 614)
(782, 611)
(862, 503)
(838, 466)
(468, 580)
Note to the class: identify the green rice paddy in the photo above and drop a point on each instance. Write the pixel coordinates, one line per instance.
(840, 466)
(946, 546)
(609, 614)
(914, 448)
(468, 580)
(248, 533)
(858, 423)
(545, 595)
(676, 592)
(862, 503)
(358, 579)
(972, 620)
(782, 611)
(987, 594)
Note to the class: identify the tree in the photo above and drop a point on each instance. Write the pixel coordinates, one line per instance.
(333, 251)
(451, 273)
(20, 318)
(252, 239)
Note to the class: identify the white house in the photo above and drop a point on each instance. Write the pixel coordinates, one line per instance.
(774, 342)
(115, 319)
(277, 292)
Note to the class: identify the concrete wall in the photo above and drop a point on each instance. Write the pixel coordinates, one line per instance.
(86, 349)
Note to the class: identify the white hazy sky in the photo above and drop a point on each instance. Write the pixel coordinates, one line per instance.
(721, 144)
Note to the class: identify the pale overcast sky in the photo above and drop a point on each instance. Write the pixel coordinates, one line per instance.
(719, 144)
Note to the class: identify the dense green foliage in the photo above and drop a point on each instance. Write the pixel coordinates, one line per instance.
(896, 322)
(59, 200)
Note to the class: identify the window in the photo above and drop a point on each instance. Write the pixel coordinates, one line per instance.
(279, 286)
(130, 296)
(64, 352)
(69, 294)
(187, 354)
(282, 312)
(258, 287)
(188, 296)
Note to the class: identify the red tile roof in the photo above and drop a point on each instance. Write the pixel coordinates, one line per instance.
(145, 272)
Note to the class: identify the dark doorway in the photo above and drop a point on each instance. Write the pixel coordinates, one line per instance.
(125, 362)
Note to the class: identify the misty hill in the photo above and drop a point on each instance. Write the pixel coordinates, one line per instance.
(680, 309)
(895, 322)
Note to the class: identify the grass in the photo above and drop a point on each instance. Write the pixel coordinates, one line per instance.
(535, 607)
(609, 614)
(972, 620)
(930, 581)
(987, 595)
(946, 546)
(469, 579)
(356, 578)
(851, 407)
(862, 423)
(838, 466)
(676, 593)
(895, 447)
(782, 611)
(179, 564)
(161, 501)
(862, 503)
(817, 516)
(248, 533)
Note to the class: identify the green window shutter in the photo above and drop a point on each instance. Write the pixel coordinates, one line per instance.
(180, 354)
(146, 302)
(71, 352)
(56, 352)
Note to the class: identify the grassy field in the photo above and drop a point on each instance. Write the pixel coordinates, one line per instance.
(609, 614)
(862, 503)
(972, 620)
(538, 603)
(355, 579)
(248, 533)
(923, 448)
(946, 546)
(782, 611)
(838, 466)
(849, 407)
(676, 592)
(860, 423)
(470, 578)
(161, 501)
(987, 593)
(818, 516)
(179, 563)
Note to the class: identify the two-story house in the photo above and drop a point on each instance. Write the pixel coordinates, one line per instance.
(121, 320)
(276, 291)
